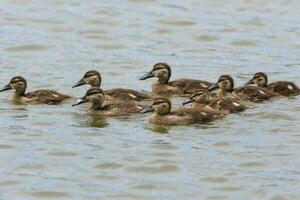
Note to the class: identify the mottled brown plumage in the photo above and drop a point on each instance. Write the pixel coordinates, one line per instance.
(164, 86)
(93, 78)
(201, 100)
(252, 93)
(163, 115)
(284, 88)
(19, 84)
(96, 96)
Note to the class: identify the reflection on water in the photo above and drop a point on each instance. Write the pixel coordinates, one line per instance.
(59, 152)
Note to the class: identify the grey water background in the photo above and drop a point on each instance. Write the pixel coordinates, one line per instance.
(59, 152)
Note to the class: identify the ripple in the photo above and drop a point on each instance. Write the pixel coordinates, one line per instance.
(145, 187)
(253, 22)
(214, 180)
(163, 31)
(207, 38)
(106, 177)
(229, 189)
(108, 166)
(179, 23)
(110, 46)
(33, 47)
(49, 194)
(62, 154)
(216, 197)
(8, 183)
(6, 146)
(244, 43)
(223, 144)
(154, 170)
(33, 167)
(252, 165)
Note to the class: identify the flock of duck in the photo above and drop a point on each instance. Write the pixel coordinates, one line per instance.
(205, 106)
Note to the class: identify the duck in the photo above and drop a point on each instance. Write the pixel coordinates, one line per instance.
(201, 100)
(283, 88)
(163, 115)
(96, 96)
(93, 78)
(226, 88)
(19, 84)
(163, 86)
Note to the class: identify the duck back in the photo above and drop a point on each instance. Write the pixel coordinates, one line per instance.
(254, 93)
(285, 88)
(46, 97)
(127, 95)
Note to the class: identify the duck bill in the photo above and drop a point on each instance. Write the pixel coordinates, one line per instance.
(250, 82)
(80, 101)
(213, 87)
(147, 75)
(79, 83)
(7, 87)
(190, 100)
(147, 109)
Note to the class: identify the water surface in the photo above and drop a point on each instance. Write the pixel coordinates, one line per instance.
(59, 152)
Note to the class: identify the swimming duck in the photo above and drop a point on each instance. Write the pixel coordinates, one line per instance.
(284, 88)
(252, 93)
(201, 100)
(163, 86)
(164, 116)
(19, 84)
(96, 96)
(93, 78)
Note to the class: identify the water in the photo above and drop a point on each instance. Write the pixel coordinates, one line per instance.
(59, 152)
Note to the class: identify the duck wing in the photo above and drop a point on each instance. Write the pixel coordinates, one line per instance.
(46, 96)
(227, 105)
(285, 88)
(254, 93)
(127, 94)
(122, 108)
(188, 86)
(197, 115)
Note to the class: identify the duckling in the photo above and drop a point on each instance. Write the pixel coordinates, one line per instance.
(163, 86)
(19, 84)
(93, 78)
(252, 93)
(284, 88)
(201, 100)
(96, 96)
(183, 116)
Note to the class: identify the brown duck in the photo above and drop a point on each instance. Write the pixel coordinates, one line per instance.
(96, 96)
(225, 85)
(163, 115)
(19, 84)
(201, 100)
(93, 78)
(284, 88)
(164, 86)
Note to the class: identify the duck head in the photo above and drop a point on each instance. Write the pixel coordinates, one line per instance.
(225, 83)
(260, 79)
(17, 83)
(160, 70)
(161, 106)
(199, 96)
(94, 95)
(92, 78)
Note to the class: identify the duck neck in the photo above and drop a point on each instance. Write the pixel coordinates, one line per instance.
(222, 94)
(163, 80)
(97, 105)
(20, 92)
(95, 83)
(201, 104)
